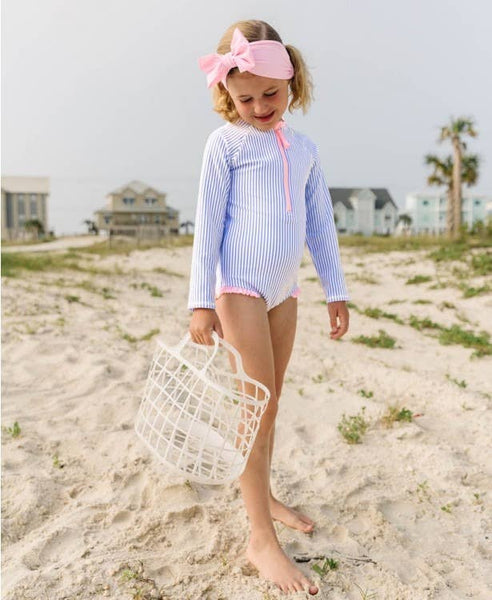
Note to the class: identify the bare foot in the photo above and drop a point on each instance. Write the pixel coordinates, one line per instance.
(273, 564)
(290, 517)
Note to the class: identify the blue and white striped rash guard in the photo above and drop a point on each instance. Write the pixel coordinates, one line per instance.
(258, 204)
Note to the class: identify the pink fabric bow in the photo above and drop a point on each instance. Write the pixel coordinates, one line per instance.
(218, 65)
(266, 58)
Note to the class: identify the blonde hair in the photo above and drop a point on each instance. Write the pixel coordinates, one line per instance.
(301, 86)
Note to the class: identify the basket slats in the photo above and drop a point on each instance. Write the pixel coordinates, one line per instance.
(200, 414)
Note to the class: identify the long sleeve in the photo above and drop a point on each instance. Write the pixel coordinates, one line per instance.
(321, 235)
(209, 222)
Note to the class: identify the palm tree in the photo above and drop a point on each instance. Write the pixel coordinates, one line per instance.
(186, 225)
(91, 227)
(454, 131)
(443, 175)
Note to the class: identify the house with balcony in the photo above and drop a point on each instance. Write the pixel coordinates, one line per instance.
(138, 210)
(428, 210)
(24, 199)
(367, 211)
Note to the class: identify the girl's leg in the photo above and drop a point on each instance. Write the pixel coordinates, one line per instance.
(282, 320)
(245, 325)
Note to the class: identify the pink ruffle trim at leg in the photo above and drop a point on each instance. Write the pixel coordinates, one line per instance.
(296, 293)
(236, 290)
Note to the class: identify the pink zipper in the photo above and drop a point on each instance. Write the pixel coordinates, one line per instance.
(283, 144)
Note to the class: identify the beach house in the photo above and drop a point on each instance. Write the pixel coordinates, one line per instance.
(364, 210)
(24, 201)
(428, 210)
(138, 210)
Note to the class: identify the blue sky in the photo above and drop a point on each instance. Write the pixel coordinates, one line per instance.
(96, 93)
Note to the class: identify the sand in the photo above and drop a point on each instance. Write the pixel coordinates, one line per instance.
(88, 513)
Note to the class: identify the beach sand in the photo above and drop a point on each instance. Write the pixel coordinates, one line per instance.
(88, 513)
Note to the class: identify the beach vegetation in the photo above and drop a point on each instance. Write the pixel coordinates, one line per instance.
(477, 498)
(446, 304)
(366, 594)
(456, 335)
(424, 323)
(423, 492)
(322, 569)
(396, 413)
(147, 336)
(154, 291)
(164, 271)
(364, 278)
(125, 245)
(318, 378)
(300, 391)
(132, 339)
(461, 384)
(422, 302)
(377, 313)
(394, 301)
(15, 262)
(70, 298)
(366, 394)
(470, 291)
(382, 340)
(14, 431)
(57, 462)
(353, 427)
(446, 508)
(418, 279)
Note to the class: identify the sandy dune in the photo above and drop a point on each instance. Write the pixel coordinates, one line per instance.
(87, 513)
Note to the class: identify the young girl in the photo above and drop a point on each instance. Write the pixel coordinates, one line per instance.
(262, 197)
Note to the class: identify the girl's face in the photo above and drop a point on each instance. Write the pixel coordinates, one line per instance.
(260, 101)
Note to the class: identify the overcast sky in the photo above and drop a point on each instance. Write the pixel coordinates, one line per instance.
(96, 93)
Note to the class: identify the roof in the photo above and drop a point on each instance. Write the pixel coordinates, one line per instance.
(26, 185)
(139, 187)
(343, 195)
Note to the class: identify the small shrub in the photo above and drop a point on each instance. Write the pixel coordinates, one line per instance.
(383, 340)
(14, 431)
(424, 323)
(482, 263)
(456, 335)
(470, 292)
(395, 413)
(418, 279)
(353, 427)
(330, 564)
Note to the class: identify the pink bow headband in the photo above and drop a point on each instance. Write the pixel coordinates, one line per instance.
(266, 58)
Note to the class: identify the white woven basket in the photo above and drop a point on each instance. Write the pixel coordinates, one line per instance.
(200, 412)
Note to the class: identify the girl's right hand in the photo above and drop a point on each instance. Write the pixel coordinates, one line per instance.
(203, 322)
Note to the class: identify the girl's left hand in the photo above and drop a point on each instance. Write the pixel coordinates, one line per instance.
(339, 319)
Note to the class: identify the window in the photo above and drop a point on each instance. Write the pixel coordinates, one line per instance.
(128, 200)
(33, 206)
(425, 203)
(107, 219)
(157, 219)
(21, 206)
(477, 203)
(150, 200)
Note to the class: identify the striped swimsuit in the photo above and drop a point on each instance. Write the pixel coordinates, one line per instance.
(262, 196)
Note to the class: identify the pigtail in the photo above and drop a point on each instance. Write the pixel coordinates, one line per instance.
(301, 84)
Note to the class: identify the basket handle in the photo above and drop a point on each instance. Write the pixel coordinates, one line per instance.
(217, 341)
(187, 340)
